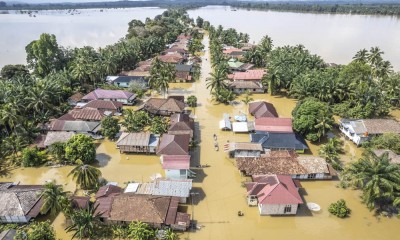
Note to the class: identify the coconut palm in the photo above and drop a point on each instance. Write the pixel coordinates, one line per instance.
(217, 80)
(375, 56)
(361, 56)
(324, 123)
(53, 198)
(85, 176)
(376, 177)
(84, 222)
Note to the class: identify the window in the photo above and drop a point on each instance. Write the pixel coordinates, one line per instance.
(311, 176)
(287, 209)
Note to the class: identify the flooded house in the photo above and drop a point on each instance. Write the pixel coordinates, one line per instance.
(243, 149)
(225, 124)
(173, 58)
(273, 125)
(272, 141)
(141, 142)
(286, 163)
(75, 98)
(125, 81)
(176, 166)
(242, 127)
(124, 97)
(239, 87)
(181, 123)
(19, 203)
(105, 106)
(274, 194)
(184, 72)
(91, 128)
(362, 130)
(174, 144)
(54, 137)
(163, 107)
(235, 65)
(260, 109)
(84, 114)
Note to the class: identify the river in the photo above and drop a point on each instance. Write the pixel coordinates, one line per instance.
(335, 37)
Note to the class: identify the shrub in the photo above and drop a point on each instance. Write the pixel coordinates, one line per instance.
(33, 157)
(339, 209)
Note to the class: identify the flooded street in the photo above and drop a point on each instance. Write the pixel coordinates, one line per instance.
(219, 186)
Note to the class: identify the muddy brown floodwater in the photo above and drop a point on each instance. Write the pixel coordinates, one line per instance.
(221, 195)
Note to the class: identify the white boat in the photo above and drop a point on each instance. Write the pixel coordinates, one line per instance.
(313, 207)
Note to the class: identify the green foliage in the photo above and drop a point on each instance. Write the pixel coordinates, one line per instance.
(247, 98)
(84, 222)
(339, 209)
(110, 127)
(33, 157)
(377, 178)
(223, 95)
(389, 141)
(138, 88)
(86, 176)
(199, 22)
(57, 151)
(191, 101)
(140, 231)
(312, 119)
(135, 121)
(161, 74)
(37, 231)
(54, 198)
(14, 71)
(80, 147)
(159, 125)
(331, 150)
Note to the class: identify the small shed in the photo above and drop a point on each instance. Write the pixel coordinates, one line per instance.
(243, 127)
(225, 124)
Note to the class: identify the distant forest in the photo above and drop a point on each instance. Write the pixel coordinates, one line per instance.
(371, 7)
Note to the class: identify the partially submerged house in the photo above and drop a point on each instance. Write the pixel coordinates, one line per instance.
(84, 114)
(75, 98)
(105, 106)
(183, 72)
(125, 81)
(104, 198)
(124, 97)
(181, 123)
(245, 86)
(53, 137)
(173, 58)
(243, 149)
(236, 65)
(262, 109)
(273, 194)
(164, 107)
(273, 125)
(225, 124)
(179, 188)
(176, 166)
(279, 141)
(86, 127)
(141, 142)
(243, 127)
(174, 144)
(19, 203)
(286, 163)
(362, 130)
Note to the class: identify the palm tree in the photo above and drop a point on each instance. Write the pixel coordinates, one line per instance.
(376, 177)
(140, 231)
(361, 56)
(53, 198)
(85, 176)
(375, 56)
(266, 45)
(167, 75)
(84, 222)
(324, 123)
(217, 80)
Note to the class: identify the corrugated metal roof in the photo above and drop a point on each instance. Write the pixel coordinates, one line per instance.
(134, 139)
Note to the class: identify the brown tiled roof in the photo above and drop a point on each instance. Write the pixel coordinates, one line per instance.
(153, 105)
(102, 104)
(171, 58)
(245, 146)
(130, 207)
(314, 164)
(262, 109)
(380, 126)
(80, 201)
(174, 144)
(76, 97)
(87, 113)
(182, 75)
(107, 190)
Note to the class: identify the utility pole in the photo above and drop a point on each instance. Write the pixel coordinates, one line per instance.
(192, 194)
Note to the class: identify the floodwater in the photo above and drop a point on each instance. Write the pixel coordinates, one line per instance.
(219, 186)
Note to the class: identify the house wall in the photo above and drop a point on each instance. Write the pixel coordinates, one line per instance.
(124, 101)
(176, 173)
(310, 176)
(190, 132)
(242, 90)
(356, 138)
(277, 209)
(252, 200)
(14, 219)
(136, 149)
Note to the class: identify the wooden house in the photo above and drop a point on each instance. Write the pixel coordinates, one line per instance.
(142, 142)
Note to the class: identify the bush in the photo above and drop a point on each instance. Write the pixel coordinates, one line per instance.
(109, 127)
(37, 231)
(339, 209)
(33, 157)
(192, 101)
(389, 141)
(80, 147)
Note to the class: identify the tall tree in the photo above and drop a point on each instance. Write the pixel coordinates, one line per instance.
(84, 222)
(53, 198)
(86, 176)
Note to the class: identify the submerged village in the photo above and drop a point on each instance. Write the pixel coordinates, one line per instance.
(185, 130)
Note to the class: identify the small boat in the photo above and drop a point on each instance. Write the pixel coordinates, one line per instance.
(313, 207)
(215, 137)
(240, 214)
(216, 147)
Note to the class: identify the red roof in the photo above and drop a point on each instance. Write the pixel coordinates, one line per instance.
(248, 75)
(262, 109)
(102, 104)
(230, 50)
(176, 161)
(174, 144)
(269, 124)
(276, 189)
(171, 58)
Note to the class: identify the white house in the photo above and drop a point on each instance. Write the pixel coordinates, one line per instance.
(274, 194)
(176, 166)
(362, 130)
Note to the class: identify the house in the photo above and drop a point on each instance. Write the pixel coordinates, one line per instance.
(174, 144)
(164, 107)
(393, 157)
(243, 127)
(262, 109)
(239, 87)
(84, 114)
(176, 166)
(75, 99)
(176, 49)
(183, 72)
(362, 130)
(104, 198)
(179, 188)
(53, 137)
(249, 75)
(19, 203)
(279, 141)
(173, 58)
(142, 142)
(273, 194)
(273, 125)
(225, 124)
(181, 123)
(156, 211)
(286, 163)
(233, 52)
(142, 70)
(236, 65)
(8, 234)
(243, 149)
(124, 97)
(80, 202)
(105, 106)
(86, 127)
(125, 81)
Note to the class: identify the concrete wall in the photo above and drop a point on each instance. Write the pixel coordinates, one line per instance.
(175, 174)
(276, 209)
(14, 219)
